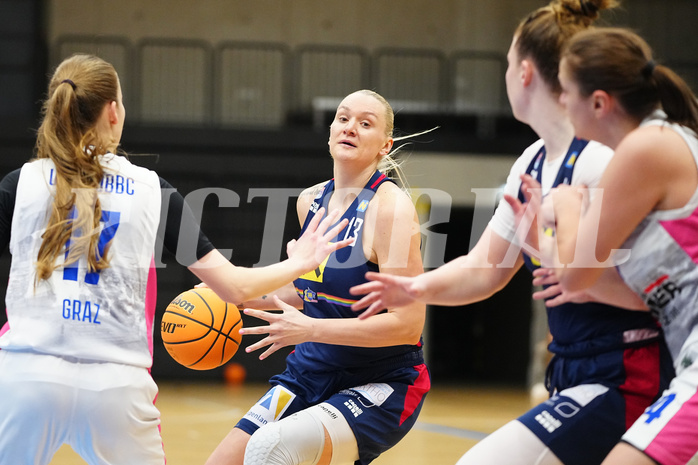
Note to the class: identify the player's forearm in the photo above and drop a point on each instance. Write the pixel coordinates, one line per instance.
(462, 282)
(286, 293)
(383, 330)
(238, 284)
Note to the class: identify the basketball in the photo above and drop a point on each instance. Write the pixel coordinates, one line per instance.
(201, 331)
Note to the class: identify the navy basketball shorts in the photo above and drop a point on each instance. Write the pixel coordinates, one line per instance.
(379, 409)
(581, 424)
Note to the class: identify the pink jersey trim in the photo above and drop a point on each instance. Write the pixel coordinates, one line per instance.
(677, 443)
(5, 328)
(684, 233)
(377, 181)
(151, 296)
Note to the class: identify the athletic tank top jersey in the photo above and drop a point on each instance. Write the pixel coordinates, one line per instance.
(662, 265)
(325, 292)
(104, 316)
(587, 329)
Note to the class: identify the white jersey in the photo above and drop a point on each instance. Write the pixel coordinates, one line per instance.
(106, 316)
(662, 265)
(587, 171)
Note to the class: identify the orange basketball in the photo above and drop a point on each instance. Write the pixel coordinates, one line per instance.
(201, 331)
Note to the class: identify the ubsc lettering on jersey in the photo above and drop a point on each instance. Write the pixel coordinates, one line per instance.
(77, 310)
(110, 183)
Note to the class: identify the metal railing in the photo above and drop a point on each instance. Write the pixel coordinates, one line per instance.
(259, 84)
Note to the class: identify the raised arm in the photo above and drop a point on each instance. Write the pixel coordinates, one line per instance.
(238, 284)
(392, 229)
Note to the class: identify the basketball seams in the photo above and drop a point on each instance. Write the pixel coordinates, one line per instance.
(216, 339)
(218, 331)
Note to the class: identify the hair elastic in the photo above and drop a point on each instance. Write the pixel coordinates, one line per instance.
(72, 84)
(648, 69)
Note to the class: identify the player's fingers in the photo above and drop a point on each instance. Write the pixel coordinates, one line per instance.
(365, 301)
(514, 203)
(329, 235)
(365, 288)
(262, 315)
(555, 301)
(254, 330)
(341, 244)
(257, 345)
(327, 222)
(545, 280)
(273, 348)
(312, 226)
(541, 272)
(384, 278)
(548, 292)
(530, 187)
(281, 304)
(376, 307)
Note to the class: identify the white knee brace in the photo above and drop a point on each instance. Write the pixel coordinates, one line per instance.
(300, 439)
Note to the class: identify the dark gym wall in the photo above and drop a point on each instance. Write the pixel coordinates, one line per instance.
(485, 342)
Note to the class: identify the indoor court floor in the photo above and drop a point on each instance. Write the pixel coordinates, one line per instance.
(196, 416)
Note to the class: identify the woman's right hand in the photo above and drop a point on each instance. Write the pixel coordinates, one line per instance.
(384, 291)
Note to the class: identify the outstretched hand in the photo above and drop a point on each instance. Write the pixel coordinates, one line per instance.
(384, 291)
(526, 214)
(290, 327)
(315, 244)
(554, 294)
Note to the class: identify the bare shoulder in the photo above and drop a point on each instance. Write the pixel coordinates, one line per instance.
(393, 204)
(654, 149)
(305, 199)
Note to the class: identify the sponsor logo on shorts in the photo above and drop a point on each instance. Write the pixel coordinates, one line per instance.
(548, 421)
(374, 393)
(353, 408)
(271, 407)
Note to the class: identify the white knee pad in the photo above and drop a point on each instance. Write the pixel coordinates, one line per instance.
(512, 444)
(344, 447)
(300, 439)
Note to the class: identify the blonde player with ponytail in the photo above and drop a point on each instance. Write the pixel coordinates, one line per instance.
(81, 223)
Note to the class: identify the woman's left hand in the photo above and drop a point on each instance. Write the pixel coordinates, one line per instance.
(290, 327)
(315, 244)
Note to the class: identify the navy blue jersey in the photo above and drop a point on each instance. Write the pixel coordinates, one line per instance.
(325, 292)
(588, 329)
(609, 364)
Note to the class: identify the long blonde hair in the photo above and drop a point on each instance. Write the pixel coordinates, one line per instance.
(80, 88)
(390, 165)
